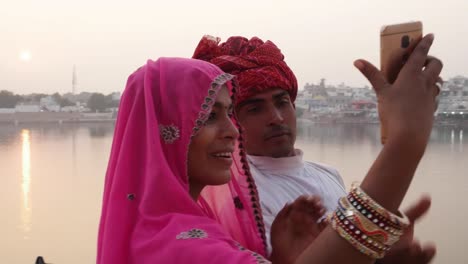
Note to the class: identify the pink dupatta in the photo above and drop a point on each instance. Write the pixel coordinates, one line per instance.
(148, 215)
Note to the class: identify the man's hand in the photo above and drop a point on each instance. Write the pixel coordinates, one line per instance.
(295, 227)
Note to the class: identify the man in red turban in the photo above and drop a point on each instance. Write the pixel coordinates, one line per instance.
(258, 65)
(264, 104)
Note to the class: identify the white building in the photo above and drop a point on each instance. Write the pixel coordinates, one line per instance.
(454, 95)
(48, 103)
(73, 108)
(28, 108)
(7, 110)
(116, 96)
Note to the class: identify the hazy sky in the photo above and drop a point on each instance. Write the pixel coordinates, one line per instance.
(108, 40)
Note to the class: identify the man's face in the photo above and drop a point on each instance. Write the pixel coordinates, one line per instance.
(269, 123)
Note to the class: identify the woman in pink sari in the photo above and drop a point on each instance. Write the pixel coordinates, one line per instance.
(150, 213)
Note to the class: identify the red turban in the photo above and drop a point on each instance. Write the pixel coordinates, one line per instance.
(258, 65)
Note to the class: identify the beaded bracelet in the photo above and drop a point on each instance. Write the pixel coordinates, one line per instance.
(401, 221)
(371, 240)
(366, 225)
(369, 227)
(356, 244)
(373, 216)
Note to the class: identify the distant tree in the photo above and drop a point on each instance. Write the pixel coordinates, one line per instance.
(83, 97)
(66, 102)
(70, 97)
(38, 97)
(97, 102)
(62, 101)
(110, 102)
(8, 99)
(57, 97)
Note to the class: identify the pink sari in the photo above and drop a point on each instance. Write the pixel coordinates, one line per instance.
(148, 215)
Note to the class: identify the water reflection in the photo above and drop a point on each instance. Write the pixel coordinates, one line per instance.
(61, 131)
(451, 135)
(460, 144)
(70, 149)
(452, 138)
(341, 134)
(346, 135)
(26, 209)
(101, 131)
(9, 133)
(350, 134)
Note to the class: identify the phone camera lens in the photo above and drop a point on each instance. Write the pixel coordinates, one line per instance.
(405, 41)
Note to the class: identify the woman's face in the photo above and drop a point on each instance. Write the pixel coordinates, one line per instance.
(210, 152)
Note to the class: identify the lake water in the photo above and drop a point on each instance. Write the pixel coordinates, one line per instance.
(52, 178)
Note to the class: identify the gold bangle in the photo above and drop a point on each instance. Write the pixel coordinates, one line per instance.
(355, 243)
(368, 227)
(402, 221)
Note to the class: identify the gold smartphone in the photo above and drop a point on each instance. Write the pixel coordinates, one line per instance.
(396, 44)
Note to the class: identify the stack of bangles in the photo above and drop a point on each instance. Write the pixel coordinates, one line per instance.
(366, 225)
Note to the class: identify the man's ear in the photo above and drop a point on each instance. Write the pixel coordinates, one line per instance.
(294, 105)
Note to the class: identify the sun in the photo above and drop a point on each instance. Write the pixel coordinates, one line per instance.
(25, 55)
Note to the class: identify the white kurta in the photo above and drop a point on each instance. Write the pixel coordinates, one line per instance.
(283, 180)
